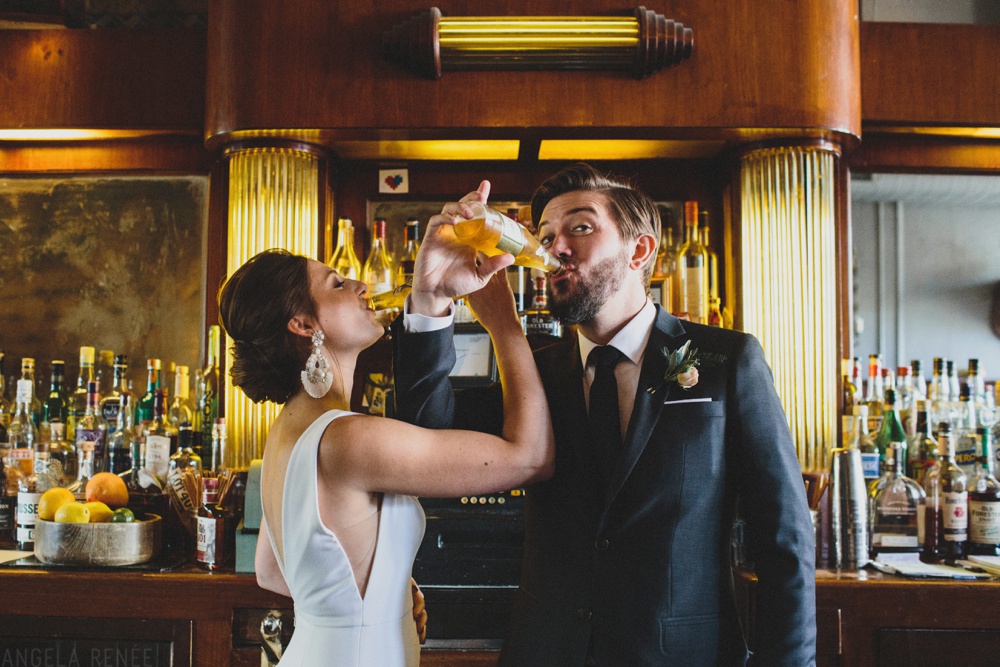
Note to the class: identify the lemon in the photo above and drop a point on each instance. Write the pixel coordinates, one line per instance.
(123, 515)
(73, 513)
(99, 512)
(51, 501)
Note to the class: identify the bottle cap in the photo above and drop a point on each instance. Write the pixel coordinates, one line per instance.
(154, 364)
(86, 356)
(345, 223)
(690, 212)
(903, 371)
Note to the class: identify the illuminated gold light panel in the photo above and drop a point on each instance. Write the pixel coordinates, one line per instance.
(273, 203)
(789, 286)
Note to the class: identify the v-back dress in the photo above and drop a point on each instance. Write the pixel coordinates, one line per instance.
(334, 625)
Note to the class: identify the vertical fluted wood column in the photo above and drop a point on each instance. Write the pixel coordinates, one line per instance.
(273, 203)
(789, 285)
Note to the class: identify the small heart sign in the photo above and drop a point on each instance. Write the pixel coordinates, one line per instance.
(394, 181)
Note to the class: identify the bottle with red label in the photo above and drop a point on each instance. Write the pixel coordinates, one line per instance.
(946, 514)
(211, 552)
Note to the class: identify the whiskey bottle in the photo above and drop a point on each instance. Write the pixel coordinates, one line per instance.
(35, 406)
(539, 320)
(870, 455)
(92, 437)
(343, 260)
(120, 444)
(208, 389)
(159, 438)
(692, 269)
(111, 403)
(922, 449)
(891, 432)
(62, 455)
(493, 233)
(661, 282)
(211, 541)
(56, 405)
(78, 401)
(377, 272)
(408, 258)
(965, 430)
(984, 502)
(180, 408)
(144, 406)
(893, 508)
(184, 478)
(21, 434)
(946, 517)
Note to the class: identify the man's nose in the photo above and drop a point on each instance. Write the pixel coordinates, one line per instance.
(560, 246)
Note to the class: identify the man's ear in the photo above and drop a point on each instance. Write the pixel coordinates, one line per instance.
(300, 327)
(644, 251)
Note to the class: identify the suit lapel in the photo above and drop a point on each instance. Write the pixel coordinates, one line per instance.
(667, 332)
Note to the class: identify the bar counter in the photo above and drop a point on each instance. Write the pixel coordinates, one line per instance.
(187, 617)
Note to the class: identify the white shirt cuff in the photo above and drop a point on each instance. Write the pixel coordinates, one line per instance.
(417, 323)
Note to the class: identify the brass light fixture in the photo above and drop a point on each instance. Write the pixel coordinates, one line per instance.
(643, 43)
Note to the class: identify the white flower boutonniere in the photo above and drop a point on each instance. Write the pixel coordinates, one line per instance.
(682, 366)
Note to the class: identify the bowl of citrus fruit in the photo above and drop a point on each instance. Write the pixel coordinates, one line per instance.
(102, 530)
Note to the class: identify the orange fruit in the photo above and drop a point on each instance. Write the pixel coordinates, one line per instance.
(99, 512)
(108, 488)
(73, 513)
(51, 501)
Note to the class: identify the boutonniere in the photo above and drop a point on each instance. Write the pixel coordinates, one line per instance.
(682, 366)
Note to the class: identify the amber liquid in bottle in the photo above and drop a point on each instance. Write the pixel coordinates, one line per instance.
(493, 233)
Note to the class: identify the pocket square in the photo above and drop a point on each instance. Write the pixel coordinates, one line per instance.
(688, 400)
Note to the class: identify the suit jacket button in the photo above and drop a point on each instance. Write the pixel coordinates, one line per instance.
(602, 544)
(584, 614)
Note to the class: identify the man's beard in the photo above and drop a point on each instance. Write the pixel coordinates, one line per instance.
(573, 304)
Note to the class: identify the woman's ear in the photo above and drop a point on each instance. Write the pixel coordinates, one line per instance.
(300, 326)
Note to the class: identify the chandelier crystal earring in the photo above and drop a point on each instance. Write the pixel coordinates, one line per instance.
(317, 378)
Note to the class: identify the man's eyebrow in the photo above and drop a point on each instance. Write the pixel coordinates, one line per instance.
(572, 211)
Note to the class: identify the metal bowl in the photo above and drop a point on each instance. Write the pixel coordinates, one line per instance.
(97, 543)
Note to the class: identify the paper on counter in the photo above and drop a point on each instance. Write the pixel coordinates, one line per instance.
(910, 565)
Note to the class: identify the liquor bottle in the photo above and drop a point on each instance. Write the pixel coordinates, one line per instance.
(713, 258)
(62, 455)
(946, 517)
(104, 371)
(850, 396)
(56, 406)
(29, 490)
(184, 479)
(692, 269)
(954, 385)
(211, 542)
(919, 381)
(120, 458)
(217, 451)
(180, 408)
(144, 407)
(976, 382)
(21, 434)
(408, 259)
(159, 438)
(343, 260)
(145, 495)
(208, 389)
(965, 432)
(377, 272)
(893, 508)
(905, 398)
(112, 401)
(661, 283)
(493, 233)
(874, 393)
(714, 312)
(922, 449)
(984, 502)
(8, 502)
(92, 435)
(78, 400)
(35, 406)
(891, 432)
(539, 320)
(870, 455)
(940, 408)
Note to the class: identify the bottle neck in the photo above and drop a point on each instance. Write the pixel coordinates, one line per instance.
(120, 381)
(152, 380)
(86, 376)
(213, 346)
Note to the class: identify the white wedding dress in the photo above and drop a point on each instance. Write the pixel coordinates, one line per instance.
(334, 625)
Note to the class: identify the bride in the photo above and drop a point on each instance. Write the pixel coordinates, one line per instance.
(341, 526)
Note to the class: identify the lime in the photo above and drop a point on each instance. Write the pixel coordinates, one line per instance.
(123, 515)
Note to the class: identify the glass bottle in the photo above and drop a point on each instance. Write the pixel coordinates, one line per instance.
(184, 478)
(145, 495)
(343, 260)
(965, 432)
(946, 514)
(29, 490)
(922, 449)
(714, 312)
(78, 401)
(493, 233)
(661, 282)
(92, 437)
(850, 396)
(539, 320)
(21, 434)
(5, 406)
(937, 393)
(713, 258)
(905, 400)
(35, 406)
(891, 431)
(217, 453)
(976, 382)
(954, 386)
(919, 381)
(208, 389)
(56, 406)
(894, 500)
(120, 447)
(870, 455)
(144, 407)
(377, 272)
(62, 455)
(984, 502)
(874, 393)
(8, 502)
(180, 408)
(211, 541)
(408, 259)
(104, 371)
(159, 438)
(111, 403)
(692, 269)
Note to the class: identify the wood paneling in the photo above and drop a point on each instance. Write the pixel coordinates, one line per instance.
(922, 74)
(924, 154)
(160, 155)
(314, 64)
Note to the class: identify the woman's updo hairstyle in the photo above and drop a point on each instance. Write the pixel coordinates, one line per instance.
(255, 306)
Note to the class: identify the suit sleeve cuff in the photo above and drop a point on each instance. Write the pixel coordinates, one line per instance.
(417, 323)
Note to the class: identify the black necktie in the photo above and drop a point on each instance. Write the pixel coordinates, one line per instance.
(605, 422)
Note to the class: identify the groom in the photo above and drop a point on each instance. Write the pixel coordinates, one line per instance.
(627, 550)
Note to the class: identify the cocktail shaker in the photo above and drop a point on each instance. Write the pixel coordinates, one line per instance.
(848, 510)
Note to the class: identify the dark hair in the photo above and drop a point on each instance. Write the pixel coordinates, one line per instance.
(255, 305)
(632, 210)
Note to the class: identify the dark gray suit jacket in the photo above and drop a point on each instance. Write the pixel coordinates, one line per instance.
(644, 578)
